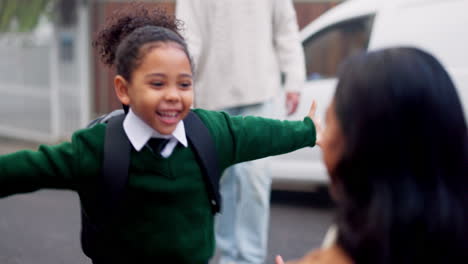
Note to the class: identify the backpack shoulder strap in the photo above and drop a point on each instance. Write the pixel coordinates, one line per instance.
(110, 185)
(116, 161)
(203, 144)
(105, 118)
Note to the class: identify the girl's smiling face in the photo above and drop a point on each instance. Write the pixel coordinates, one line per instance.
(160, 91)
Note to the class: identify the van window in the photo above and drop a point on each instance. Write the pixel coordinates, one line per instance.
(325, 50)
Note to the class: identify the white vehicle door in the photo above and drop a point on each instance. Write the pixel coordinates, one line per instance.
(324, 50)
(437, 26)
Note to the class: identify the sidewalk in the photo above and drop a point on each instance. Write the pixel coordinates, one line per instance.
(8, 145)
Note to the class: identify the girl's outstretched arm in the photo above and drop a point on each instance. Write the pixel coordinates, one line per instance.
(244, 138)
(61, 166)
(316, 120)
(28, 170)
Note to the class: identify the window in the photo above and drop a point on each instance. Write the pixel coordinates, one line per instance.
(325, 50)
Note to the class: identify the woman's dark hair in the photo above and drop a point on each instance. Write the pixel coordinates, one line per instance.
(402, 181)
(120, 42)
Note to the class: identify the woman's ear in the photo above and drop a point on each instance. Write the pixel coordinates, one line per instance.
(121, 89)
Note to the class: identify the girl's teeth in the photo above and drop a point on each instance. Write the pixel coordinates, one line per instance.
(168, 114)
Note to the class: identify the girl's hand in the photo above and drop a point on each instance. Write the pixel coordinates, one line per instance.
(279, 260)
(316, 120)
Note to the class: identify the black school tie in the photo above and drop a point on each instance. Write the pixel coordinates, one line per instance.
(157, 144)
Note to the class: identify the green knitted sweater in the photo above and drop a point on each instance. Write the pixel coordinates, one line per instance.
(166, 215)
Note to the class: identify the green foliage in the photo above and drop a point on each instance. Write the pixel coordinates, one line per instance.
(26, 13)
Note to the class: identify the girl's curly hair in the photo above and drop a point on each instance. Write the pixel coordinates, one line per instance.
(118, 43)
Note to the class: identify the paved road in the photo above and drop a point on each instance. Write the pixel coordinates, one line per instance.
(298, 222)
(43, 227)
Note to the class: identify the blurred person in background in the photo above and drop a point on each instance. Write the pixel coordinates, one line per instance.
(396, 149)
(240, 49)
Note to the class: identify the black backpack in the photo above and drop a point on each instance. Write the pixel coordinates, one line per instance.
(114, 175)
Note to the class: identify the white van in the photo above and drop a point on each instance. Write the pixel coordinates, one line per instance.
(437, 26)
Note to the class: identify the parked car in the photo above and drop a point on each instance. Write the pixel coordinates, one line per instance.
(437, 26)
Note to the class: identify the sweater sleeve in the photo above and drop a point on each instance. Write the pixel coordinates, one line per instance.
(48, 167)
(240, 139)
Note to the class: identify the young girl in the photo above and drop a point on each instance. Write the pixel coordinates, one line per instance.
(165, 214)
(396, 149)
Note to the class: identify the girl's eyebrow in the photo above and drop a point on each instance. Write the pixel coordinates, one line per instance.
(185, 75)
(155, 74)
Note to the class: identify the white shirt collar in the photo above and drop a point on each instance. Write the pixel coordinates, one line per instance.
(138, 132)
